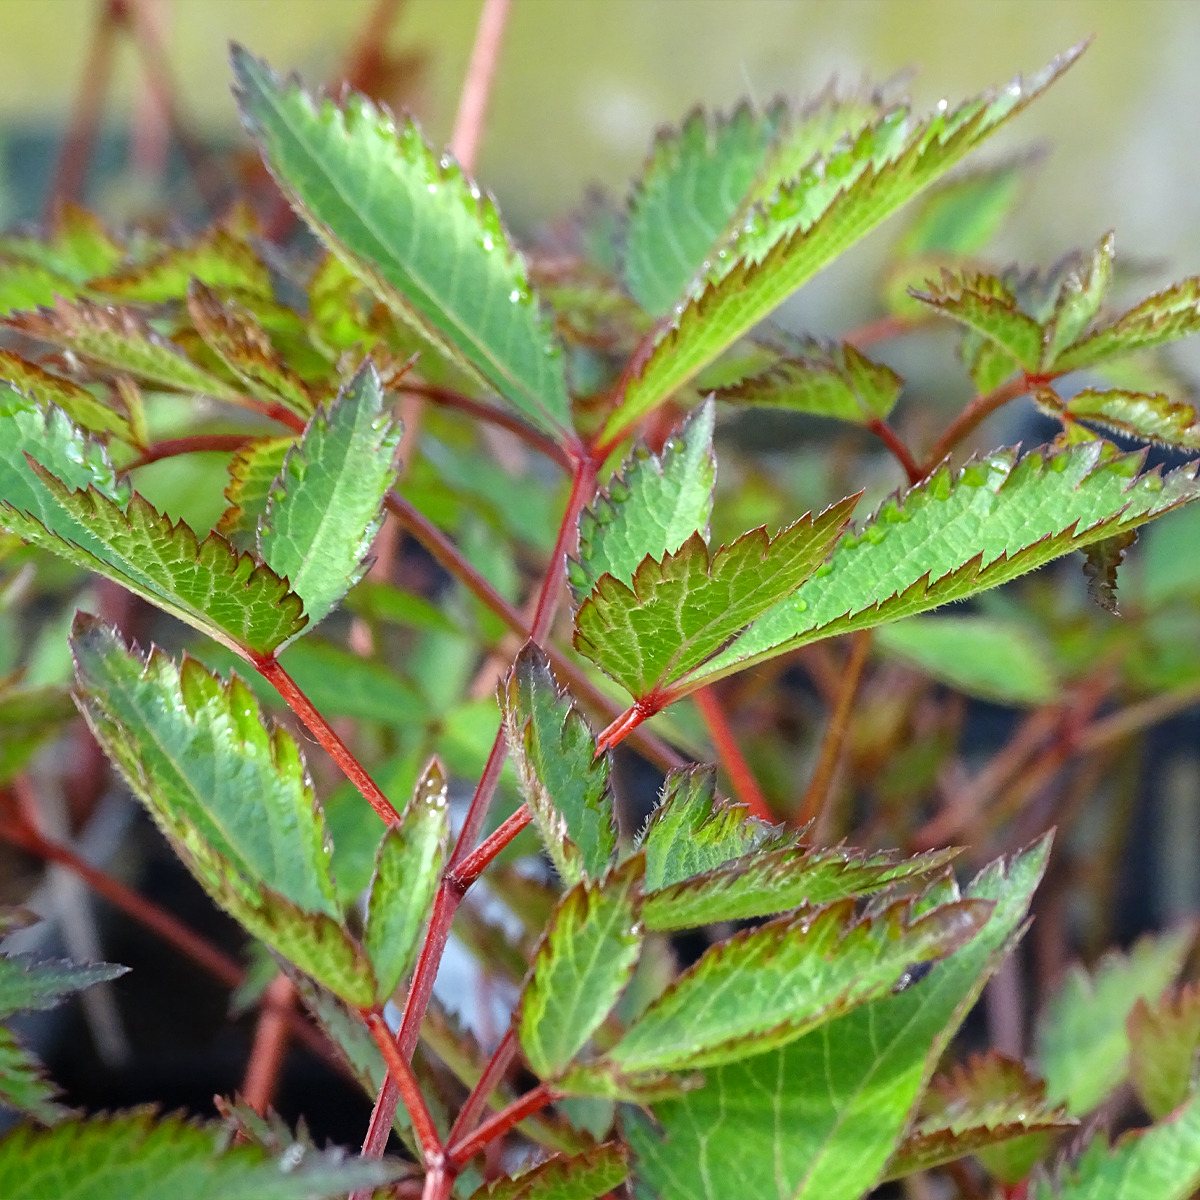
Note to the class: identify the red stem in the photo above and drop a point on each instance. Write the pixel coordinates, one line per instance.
(745, 786)
(878, 331)
(461, 1153)
(171, 447)
(320, 728)
(477, 87)
(888, 436)
(414, 1101)
(497, 1065)
(476, 862)
(971, 417)
(270, 1045)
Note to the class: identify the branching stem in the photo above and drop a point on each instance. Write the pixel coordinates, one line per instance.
(493, 1073)
(745, 786)
(414, 1102)
(971, 418)
(461, 1153)
(891, 439)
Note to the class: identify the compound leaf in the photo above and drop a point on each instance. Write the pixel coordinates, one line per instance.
(79, 404)
(26, 984)
(326, 506)
(564, 781)
(414, 229)
(819, 1118)
(651, 508)
(682, 610)
(1149, 418)
(130, 1156)
(582, 1177)
(1082, 1041)
(1164, 1040)
(585, 959)
(408, 867)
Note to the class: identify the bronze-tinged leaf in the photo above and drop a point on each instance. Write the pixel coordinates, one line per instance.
(1101, 560)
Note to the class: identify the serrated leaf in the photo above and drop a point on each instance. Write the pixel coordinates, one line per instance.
(1080, 295)
(23, 1083)
(837, 200)
(682, 610)
(1166, 316)
(583, 963)
(987, 363)
(766, 987)
(693, 184)
(119, 339)
(325, 508)
(833, 381)
(651, 507)
(1150, 418)
(1164, 1041)
(218, 259)
(26, 285)
(818, 1119)
(986, 657)
(413, 229)
(76, 246)
(1101, 560)
(564, 781)
(985, 304)
(989, 1101)
(408, 867)
(27, 984)
(130, 1156)
(583, 1177)
(252, 471)
(957, 534)
(194, 750)
(80, 405)
(1082, 1043)
(1159, 1163)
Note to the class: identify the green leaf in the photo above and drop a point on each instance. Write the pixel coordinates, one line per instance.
(26, 285)
(80, 405)
(985, 657)
(130, 1156)
(193, 749)
(385, 602)
(77, 246)
(766, 987)
(693, 184)
(119, 340)
(563, 779)
(963, 214)
(1164, 1041)
(1159, 1163)
(682, 610)
(27, 985)
(327, 505)
(586, 957)
(1149, 418)
(957, 534)
(819, 1118)
(414, 229)
(1082, 1042)
(1080, 295)
(651, 507)
(832, 381)
(1166, 316)
(985, 304)
(23, 1083)
(252, 471)
(836, 200)
(408, 867)
(217, 258)
(583, 1177)
(240, 342)
(990, 1101)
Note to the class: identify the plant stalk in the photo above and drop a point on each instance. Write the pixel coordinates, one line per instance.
(460, 1153)
(745, 786)
(971, 418)
(498, 1064)
(406, 1082)
(270, 1045)
(477, 86)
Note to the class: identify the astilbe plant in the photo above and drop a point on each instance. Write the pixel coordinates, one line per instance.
(805, 1053)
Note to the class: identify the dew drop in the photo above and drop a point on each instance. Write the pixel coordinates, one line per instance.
(515, 296)
(488, 244)
(942, 105)
(432, 188)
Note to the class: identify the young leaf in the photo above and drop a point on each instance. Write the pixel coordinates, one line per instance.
(24, 1085)
(1149, 418)
(766, 987)
(413, 229)
(1166, 316)
(695, 181)
(77, 246)
(130, 1156)
(193, 749)
(327, 505)
(995, 660)
(27, 985)
(985, 304)
(242, 344)
(833, 381)
(563, 779)
(982, 1105)
(964, 213)
(408, 866)
(252, 471)
(651, 508)
(819, 1118)
(682, 610)
(81, 406)
(1082, 1043)
(585, 959)
(957, 534)
(836, 200)
(1080, 295)
(1159, 1163)
(1164, 1040)
(581, 1178)
(120, 340)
